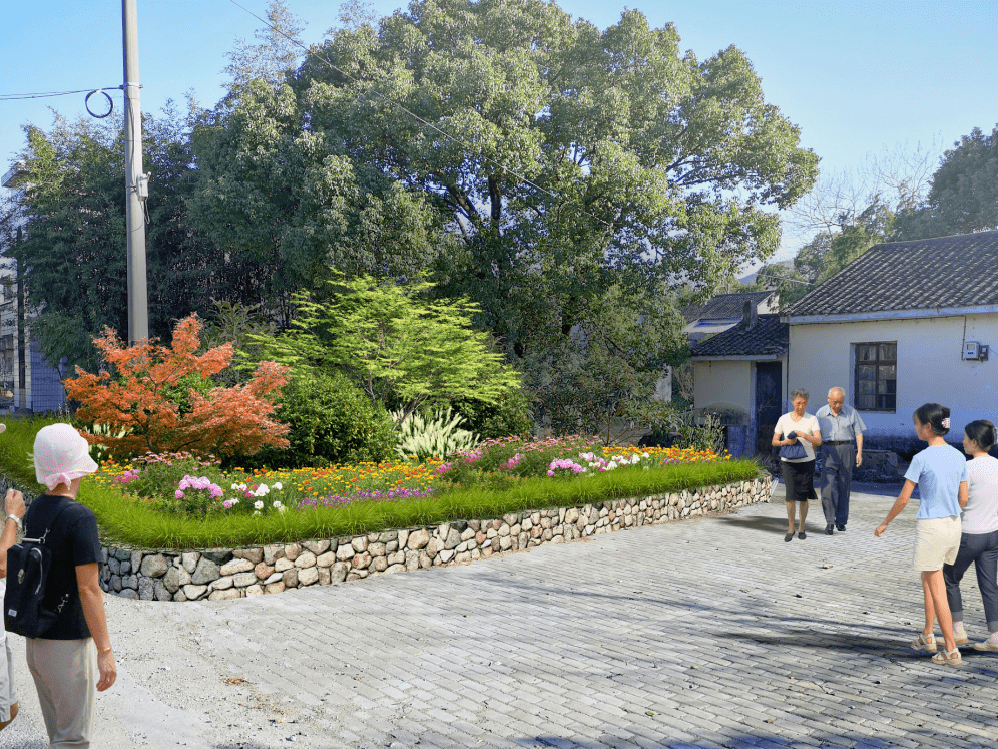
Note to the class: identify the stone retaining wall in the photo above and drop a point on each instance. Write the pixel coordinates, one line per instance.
(218, 574)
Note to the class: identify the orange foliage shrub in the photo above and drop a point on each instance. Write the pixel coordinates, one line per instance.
(227, 421)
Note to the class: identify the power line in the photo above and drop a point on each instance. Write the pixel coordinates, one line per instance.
(46, 94)
(412, 114)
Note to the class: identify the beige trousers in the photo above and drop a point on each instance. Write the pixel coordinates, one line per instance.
(65, 674)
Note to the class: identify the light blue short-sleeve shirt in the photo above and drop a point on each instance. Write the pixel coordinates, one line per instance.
(844, 427)
(938, 471)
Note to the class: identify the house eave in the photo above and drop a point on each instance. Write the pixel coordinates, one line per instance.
(910, 314)
(739, 357)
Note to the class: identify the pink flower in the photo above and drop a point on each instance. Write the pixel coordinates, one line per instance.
(178, 494)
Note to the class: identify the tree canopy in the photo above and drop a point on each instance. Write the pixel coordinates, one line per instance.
(565, 180)
(565, 160)
(964, 195)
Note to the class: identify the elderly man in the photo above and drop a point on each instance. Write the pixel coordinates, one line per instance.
(842, 424)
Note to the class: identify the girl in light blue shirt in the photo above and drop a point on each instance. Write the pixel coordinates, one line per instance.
(941, 474)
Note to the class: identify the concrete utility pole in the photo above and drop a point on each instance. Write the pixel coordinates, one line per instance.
(136, 183)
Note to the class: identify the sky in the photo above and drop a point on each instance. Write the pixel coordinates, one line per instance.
(856, 77)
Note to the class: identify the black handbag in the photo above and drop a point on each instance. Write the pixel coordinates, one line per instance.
(795, 451)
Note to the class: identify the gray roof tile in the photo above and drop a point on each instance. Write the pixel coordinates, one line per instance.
(767, 336)
(960, 271)
(724, 306)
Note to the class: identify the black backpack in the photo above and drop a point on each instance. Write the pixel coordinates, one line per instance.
(28, 565)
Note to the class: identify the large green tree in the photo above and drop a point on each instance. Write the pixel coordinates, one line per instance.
(535, 164)
(964, 195)
(567, 160)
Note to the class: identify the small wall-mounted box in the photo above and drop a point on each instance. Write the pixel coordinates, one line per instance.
(975, 351)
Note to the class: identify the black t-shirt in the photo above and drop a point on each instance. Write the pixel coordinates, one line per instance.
(74, 542)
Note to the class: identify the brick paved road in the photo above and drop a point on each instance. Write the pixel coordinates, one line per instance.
(699, 634)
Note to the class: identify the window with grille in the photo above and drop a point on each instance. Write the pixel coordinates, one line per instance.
(876, 376)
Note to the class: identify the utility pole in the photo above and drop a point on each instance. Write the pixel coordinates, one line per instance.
(136, 183)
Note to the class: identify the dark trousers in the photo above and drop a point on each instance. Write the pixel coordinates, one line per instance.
(836, 480)
(982, 550)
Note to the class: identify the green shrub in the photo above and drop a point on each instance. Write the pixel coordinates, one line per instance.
(332, 423)
(701, 432)
(435, 436)
(509, 416)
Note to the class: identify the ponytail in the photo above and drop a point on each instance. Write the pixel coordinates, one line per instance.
(935, 416)
(982, 432)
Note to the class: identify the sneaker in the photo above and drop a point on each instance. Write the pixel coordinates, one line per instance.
(988, 646)
(842, 528)
(829, 529)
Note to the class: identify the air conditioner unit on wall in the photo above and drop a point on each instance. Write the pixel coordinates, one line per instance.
(971, 350)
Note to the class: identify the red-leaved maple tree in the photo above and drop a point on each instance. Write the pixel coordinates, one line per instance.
(132, 397)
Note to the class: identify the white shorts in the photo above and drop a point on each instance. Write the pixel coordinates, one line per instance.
(937, 542)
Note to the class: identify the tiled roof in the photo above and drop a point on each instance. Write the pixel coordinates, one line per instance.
(724, 306)
(959, 271)
(768, 336)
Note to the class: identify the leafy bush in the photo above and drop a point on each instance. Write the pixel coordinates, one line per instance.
(509, 416)
(433, 436)
(700, 431)
(332, 422)
(220, 420)
(401, 345)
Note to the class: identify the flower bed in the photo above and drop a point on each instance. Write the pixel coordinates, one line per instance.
(184, 485)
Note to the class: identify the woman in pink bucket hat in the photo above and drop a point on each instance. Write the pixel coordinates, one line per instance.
(73, 658)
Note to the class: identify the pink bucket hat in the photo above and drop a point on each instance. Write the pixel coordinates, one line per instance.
(61, 455)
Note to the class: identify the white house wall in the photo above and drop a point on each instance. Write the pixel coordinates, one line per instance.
(723, 384)
(930, 366)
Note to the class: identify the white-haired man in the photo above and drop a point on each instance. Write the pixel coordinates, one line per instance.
(842, 450)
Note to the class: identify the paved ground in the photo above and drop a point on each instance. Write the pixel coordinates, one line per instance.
(699, 634)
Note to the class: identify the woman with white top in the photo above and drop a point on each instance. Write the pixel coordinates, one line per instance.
(979, 538)
(795, 427)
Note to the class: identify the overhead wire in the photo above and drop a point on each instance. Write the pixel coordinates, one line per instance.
(412, 114)
(46, 94)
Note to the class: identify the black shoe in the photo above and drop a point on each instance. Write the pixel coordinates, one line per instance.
(789, 537)
(802, 535)
(842, 528)
(829, 529)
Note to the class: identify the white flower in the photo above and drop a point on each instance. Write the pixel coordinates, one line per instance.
(258, 505)
(256, 512)
(279, 486)
(277, 504)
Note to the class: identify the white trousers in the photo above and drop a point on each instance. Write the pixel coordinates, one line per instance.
(65, 674)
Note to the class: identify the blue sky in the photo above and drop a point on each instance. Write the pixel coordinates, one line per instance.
(857, 77)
